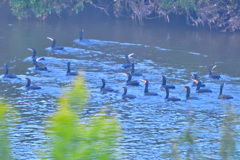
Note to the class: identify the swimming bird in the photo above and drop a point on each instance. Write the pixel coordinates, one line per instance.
(37, 67)
(128, 64)
(213, 76)
(69, 73)
(222, 96)
(187, 89)
(129, 80)
(135, 73)
(54, 43)
(105, 89)
(125, 95)
(6, 75)
(167, 96)
(165, 85)
(28, 86)
(35, 53)
(195, 77)
(81, 35)
(199, 90)
(146, 92)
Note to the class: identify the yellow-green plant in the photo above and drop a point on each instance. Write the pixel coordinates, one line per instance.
(75, 138)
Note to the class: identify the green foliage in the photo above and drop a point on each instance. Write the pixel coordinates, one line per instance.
(74, 138)
(4, 143)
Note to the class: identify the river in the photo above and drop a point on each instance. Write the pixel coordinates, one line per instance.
(148, 123)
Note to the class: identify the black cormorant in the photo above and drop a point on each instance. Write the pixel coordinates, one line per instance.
(222, 96)
(37, 67)
(195, 77)
(213, 76)
(128, 64)
(129, 81)
(69, 73)
(35, 53)
(187, 89)
(54, 43)
(146, 92)
(105, 89)
(133, 73)
(165, 85)
(28, 86)
(171, 98)
(6, 75)
(125, 95)
(199, 90)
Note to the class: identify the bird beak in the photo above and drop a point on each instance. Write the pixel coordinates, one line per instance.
(143, 80)
(38, 59)
(130, 54)
(196, 81)
(125, 74)
(192, 75)
(50, 38)
(30, 49)
(214, 66)
(24, 79)
(185, 88)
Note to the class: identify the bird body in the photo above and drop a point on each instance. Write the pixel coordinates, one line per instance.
(6, 75)
(54, 43)
(213, 76)
(69, 73)
(199, 90)
(222, 96)
(127, 96)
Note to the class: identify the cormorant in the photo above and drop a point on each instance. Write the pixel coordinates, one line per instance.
(54, 43)
(105, 89)
(187, 89)
(165, 85)
(37, 67)
(167, 96)
(146, 92)
(198, 90)
(129, 81)
(213, 76)
(69, 73)
(125, 95)
(222, 96)
(35, 53)
(6, 75)
(195, 77)
(128, 64)
(135, 73)
(28, 86)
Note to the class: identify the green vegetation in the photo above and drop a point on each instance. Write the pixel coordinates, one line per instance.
(221, 15)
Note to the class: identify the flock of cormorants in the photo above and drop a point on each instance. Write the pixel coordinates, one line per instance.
(196, 82)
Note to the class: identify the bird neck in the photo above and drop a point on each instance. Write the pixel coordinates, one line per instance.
(81, 36)
(6, 70)
(127, 58)
(68, 68)
(198, 85)
(103, 84)
(164, 81)
(53, 43)
(221, 88)
(188, 93)
(129, 78)
(167, 94)
(146, 87)
(125, 91)
(132, 69)
(28, 83)
(34, 53)
(210, 71)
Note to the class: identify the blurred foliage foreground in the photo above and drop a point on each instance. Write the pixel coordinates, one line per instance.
(223, 15)
(95, 137)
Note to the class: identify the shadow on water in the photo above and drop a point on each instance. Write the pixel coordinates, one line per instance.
(148, 123)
